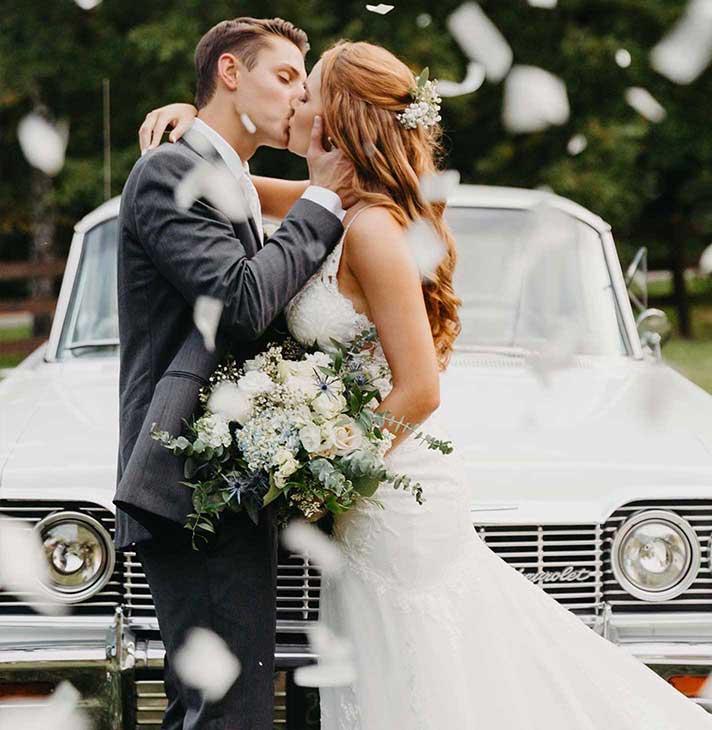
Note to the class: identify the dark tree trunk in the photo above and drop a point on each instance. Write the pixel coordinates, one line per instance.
(43, 228)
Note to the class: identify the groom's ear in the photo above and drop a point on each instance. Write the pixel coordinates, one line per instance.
(228, 70)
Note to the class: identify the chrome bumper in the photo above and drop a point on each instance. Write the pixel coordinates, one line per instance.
(119, 673)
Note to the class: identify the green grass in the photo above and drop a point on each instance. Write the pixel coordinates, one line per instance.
(13, 333)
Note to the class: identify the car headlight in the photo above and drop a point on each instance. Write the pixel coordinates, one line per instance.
(80, 555)
(655, 555)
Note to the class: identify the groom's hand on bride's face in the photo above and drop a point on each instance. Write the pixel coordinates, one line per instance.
(332, 169)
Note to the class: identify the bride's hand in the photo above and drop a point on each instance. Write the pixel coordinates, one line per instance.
(179, 116)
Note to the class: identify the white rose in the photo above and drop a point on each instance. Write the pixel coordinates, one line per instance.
(284, 459)
(255, 382)
(317, 359)
(232, 403)
(347, 437)
(304, 387)
(327, 447)
(328, 405)
(310, 436)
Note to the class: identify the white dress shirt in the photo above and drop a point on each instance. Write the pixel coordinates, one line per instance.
(241, 170)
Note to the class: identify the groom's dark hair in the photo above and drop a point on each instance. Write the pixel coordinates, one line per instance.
(245, 37)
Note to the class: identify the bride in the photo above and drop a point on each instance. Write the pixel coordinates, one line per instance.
(446, 634)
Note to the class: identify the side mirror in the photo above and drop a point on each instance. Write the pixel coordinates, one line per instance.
(636, 280)
(654, 329)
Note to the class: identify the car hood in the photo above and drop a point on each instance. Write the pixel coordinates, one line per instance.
(603, 427)
(59, 427)
(604, 431)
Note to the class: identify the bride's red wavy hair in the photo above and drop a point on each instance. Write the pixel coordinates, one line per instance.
(363, 88)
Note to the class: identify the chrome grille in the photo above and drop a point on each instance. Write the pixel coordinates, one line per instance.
(32, 513)
(298, 585)
(564, 560)
(151, 703)
(698, 597)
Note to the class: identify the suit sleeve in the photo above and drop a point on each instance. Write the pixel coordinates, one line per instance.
(198, 252)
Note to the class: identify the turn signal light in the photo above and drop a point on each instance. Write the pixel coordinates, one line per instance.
(688, 684)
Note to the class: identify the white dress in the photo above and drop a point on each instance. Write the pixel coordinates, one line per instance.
(447, 635)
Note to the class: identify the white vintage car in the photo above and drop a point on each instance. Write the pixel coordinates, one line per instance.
(590, 465)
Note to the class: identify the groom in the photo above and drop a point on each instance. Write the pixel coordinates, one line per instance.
(168, 257)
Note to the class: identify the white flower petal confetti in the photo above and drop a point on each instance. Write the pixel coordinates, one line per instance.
(206, 316)
(577, 144)
(380, 9)
(426, 246)
(205, 663)
(23, 566)
(88, 4)
(548, 4)
(439, 186)
(645, 104)
(474, 78)
(423, 20)
(534, 99)
(43, 144)
(229, 401)
(247, 123)
(481, 40)
(705, 264)
(623, 58)
(684, 53)
(60, 711)
(335, 666)
(301, 537)
(218, 185)
(558, 353)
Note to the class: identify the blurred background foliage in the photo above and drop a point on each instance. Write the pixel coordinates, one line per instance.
(652, 182)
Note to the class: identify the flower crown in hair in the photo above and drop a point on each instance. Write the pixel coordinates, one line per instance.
(425, 107)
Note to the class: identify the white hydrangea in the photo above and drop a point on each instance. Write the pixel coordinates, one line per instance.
(213, 430)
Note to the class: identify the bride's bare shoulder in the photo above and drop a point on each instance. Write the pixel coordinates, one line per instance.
(371, 230)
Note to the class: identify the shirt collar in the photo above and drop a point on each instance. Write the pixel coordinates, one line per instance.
(224, 148)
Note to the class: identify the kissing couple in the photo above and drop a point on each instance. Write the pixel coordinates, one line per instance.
(445, 634)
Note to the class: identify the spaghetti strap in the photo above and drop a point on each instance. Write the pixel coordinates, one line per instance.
(356, 215)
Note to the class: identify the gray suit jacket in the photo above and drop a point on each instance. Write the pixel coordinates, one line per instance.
(167, 257)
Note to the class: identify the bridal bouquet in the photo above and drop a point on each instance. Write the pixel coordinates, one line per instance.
(294, 425)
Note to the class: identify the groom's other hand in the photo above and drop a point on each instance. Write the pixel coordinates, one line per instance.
(331, 170)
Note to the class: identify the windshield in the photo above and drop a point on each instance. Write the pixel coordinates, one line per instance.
(92, 322)
(517, 280)
(524, 275)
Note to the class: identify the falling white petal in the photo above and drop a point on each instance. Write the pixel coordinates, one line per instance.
(301, 537)
(60, 711)
(623, 58)
(543, 3)
(42, 143)
(88, 4)
(684, 53)
(423, 20)
(645, 104)
(205, 663)
(440, 185)
(558, 353)
(481, 40)
(247, 123)
(426, 246)
(534, 99)
(23, 566)
(335, 667)
(381, 9)
(206, 316)
(577, 144)
(229, 401)
(474, 78)
(218, 185)
(705, 264)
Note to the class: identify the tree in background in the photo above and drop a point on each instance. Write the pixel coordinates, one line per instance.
(651, 182)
